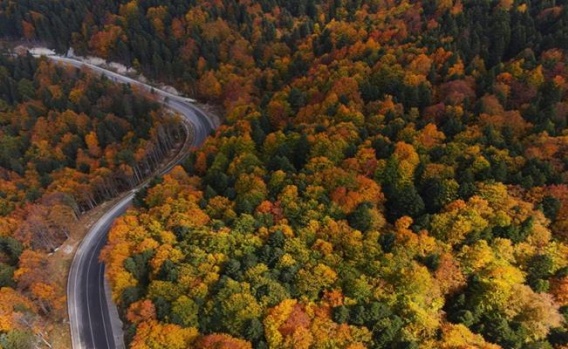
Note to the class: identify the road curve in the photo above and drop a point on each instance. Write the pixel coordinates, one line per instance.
(89, 319)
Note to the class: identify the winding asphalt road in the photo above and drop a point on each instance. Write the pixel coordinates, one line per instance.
(90, 321)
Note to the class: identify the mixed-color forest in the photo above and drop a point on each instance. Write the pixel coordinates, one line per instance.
(391, 174)
(68, 141)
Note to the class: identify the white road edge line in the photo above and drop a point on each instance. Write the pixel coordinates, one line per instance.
(102, 299)
(89, 264)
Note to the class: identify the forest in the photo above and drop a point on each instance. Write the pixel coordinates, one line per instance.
(390, 174)
(68, 141)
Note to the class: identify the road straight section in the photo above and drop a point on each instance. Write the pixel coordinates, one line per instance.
(91, 325)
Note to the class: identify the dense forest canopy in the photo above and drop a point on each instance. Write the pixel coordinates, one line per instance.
(391, 174)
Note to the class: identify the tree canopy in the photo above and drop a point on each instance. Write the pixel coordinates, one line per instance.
(391, 174)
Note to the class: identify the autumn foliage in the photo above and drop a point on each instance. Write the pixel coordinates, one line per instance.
(68, 142)
(391, 174)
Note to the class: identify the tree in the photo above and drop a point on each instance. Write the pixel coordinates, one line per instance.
(361, 218)
(152, 335)
(17, 339)
(404, 201)
(311, 281)
(209, 87)
(222, 341)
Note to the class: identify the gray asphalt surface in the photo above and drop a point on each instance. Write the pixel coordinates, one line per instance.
(92, 326)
